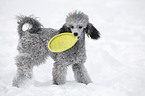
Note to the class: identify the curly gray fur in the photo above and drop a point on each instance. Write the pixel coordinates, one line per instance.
(33, 50)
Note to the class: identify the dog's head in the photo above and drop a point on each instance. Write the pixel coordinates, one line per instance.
(78, 24)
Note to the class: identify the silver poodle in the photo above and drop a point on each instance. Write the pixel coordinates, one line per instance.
(33, 48)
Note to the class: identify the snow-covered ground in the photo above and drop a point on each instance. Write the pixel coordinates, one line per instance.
(116, 62)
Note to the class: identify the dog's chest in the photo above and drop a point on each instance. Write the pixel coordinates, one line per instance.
(76, 54)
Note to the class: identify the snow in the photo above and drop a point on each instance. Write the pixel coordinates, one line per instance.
(116, 62)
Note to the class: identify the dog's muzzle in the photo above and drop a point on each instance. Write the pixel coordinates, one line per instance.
(76, 35)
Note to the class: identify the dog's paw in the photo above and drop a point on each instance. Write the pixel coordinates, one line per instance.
(58, 82)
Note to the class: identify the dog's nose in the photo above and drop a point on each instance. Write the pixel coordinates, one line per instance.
(75, 34)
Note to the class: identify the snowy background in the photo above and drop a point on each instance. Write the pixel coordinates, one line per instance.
(116, 62)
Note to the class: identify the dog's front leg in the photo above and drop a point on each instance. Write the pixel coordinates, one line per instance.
(80, 73)
(59, 73)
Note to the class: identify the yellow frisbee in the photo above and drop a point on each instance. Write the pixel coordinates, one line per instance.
(62, 42)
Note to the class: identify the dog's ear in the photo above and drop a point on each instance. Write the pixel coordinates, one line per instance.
(92, 31)
(64, 29)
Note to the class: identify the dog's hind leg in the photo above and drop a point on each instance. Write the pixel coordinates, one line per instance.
(24, 69)
(32, 49)
(59, 73)
(80, 73)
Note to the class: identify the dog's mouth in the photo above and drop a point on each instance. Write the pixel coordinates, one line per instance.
(78, 37)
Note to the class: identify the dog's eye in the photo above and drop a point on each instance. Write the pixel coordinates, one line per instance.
(72, 27)
(80, 27)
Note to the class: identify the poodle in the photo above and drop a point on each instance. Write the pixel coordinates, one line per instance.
(33, 50)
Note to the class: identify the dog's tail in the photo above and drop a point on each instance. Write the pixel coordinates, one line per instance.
(33, 24)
